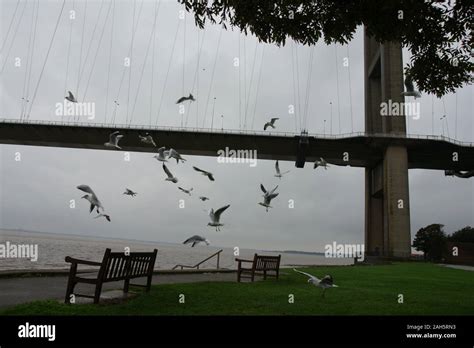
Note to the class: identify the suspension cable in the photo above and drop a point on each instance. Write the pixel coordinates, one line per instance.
(167, 71)
(31, 59)
(10, 26)
(97, 51)
(144, 64)
(47, 56)
(68, 54)
(24, 100)
(157, 5)
(109, 63)
(350, 88)
(131, 58)
(258, 86)
(212, 76)
(250, 86)
(13, 38)
(337, 89)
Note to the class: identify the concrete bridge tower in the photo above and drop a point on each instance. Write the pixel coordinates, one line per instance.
(387, 202)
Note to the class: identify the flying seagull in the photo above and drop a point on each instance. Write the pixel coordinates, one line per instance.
(147, 139)
(321, 163)
(203, 198)
(186, 191)
(195, 240)
(183, 99)
(129, 192)
(208, 174)
(114, 139)
(92, 198)
(172, 153)
(277, 169)
(103, 215)
(268, 196)
(410, 89)
(215, 217)
(170, 176)
(324, 283)
(270, 124)
(162, 153)
(71, 97)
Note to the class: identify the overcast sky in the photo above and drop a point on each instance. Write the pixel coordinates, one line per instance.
(328, 205)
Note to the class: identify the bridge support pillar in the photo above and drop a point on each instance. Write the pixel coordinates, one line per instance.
(387, 206)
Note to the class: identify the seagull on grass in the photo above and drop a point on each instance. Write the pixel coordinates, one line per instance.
(183, 99)
(215, 217)
(278, 173)
(203, 172)
(162, 154)
(103, 215)
(92, 198)
(268, 196)
(170, 176)
(186, 191)
(129, 192)
(320, 163)
(410, 89)
(147, 139)
(270, 124)
(172, 153)
(70, 97)
(324, 283)
(196, 240)
(114, 139)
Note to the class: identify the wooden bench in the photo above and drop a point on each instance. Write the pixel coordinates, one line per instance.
(115, 266)
(261, 265)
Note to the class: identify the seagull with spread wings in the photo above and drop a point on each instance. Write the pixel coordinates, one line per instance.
(321, 163)
(172, 153)
(103, 215)
(129, 192)
(183, 99)
(410, 89)
(92, 198)
(170, 176)
(114, 139)
(271, 123)
(70, 97)
(325, 283)
(162, 154)
(186, 191)
(196, 240)
(147, 139)
(268, 196)
(215, 217)
(279, 174)
(203, 172)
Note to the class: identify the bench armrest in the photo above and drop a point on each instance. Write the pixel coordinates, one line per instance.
(83, 262)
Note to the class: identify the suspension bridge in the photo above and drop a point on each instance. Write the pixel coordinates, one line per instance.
(384, 149)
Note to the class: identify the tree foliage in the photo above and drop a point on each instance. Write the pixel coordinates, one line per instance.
(431, 240)
(438, 33)
(465, 235)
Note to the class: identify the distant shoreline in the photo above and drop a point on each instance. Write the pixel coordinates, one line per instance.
(298, 252)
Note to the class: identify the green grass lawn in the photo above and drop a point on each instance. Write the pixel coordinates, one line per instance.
(363, 290)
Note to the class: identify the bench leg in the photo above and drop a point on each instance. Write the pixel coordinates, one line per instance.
(264, 275)
(253, 276)
(69, 291)
(98, 290)
(238, 276)
(148, 283)
(126, 285)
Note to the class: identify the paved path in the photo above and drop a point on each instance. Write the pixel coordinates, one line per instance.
(465, 268)
(20, 290)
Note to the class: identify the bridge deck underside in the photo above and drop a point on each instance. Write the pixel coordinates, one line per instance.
(362, 151)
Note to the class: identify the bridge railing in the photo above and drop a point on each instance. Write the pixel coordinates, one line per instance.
(236, 131)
